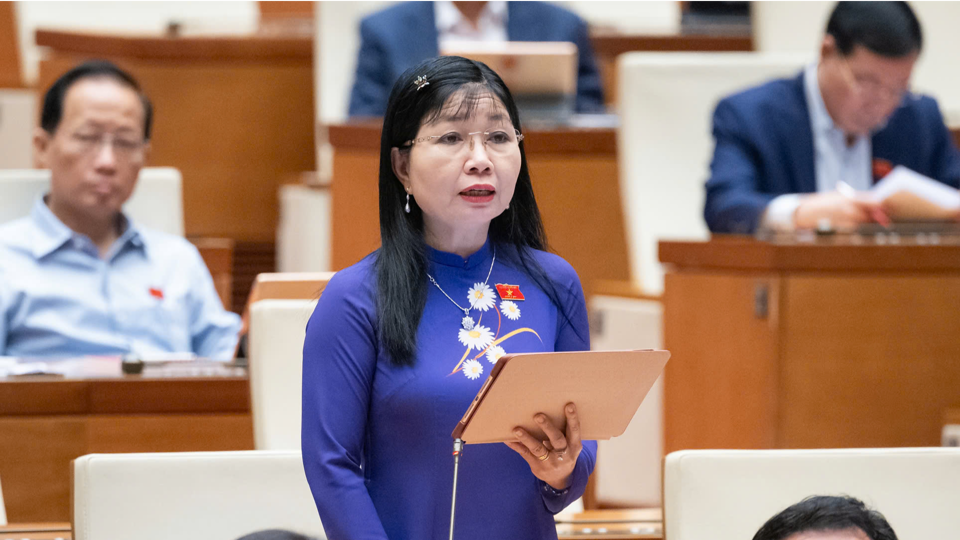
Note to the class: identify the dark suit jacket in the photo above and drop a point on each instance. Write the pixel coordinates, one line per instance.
(397, 38)
(764, 148)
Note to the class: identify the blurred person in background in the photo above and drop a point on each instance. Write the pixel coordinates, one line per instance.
(824, 517)
(783, 148)
(77, 276)
(395, 39)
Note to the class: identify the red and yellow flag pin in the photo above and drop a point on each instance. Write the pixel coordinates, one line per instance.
(509, 292)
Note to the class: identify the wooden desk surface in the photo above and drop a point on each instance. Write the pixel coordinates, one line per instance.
(47, 421)
(631, 524)
(98, 386)
(179, 48)
(364, 134)
(35, 531)
(831, 253)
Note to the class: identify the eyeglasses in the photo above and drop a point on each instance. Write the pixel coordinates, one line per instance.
(498, 142)
(125, 148)
(871, 87)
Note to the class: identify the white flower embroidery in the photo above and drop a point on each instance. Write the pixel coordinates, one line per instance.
(495, 353)
(472, 369)
(510, 310)
(478, 338)
(481, 297)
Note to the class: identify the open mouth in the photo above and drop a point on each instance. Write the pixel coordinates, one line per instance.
(478, 193)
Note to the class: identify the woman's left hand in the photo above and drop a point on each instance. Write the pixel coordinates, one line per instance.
(552, 460)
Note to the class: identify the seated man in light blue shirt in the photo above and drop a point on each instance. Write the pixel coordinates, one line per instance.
(77, 276)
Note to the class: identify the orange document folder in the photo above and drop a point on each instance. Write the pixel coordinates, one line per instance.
(606, 386)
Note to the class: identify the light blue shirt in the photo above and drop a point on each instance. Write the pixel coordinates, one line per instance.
(150, 294)
(833, 159)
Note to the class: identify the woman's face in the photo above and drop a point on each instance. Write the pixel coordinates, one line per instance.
(462, 170)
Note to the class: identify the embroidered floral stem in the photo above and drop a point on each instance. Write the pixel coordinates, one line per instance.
(495, 342)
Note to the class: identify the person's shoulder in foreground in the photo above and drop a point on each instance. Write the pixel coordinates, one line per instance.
(824, 517)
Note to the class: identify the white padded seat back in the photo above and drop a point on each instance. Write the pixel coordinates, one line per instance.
(18, 116)
(3, 510)
(665, 144)
(191, 495)
(729, 494)
(156, 203)
(791, 26)
(276, 360)
(628, 467)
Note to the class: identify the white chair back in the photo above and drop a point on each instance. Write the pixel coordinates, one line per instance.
(190, 496)
(648, 16)
(785, 27)
(276, 360)
(628, 467)
(18, 116)
(303, 234)
(935, 72)
(729, 494)
(3, 510)
(334, 71)
(665, 142)
(156, 203)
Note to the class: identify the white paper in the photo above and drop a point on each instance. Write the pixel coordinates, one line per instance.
(904, 179)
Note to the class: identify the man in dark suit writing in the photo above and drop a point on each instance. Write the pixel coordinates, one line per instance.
(397, 38)
(784, 148)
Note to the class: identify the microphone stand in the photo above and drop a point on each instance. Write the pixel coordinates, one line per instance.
(457, 450)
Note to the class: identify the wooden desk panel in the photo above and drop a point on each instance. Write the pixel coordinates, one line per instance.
(45, 422)
(10, 76)
(831, 344)
(868, 361)
(574, 173)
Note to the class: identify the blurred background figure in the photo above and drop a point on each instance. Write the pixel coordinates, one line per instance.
(77, 276)
(396, 38)
(848, 119)
(827, 518)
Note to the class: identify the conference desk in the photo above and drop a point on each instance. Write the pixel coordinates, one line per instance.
(48, 420)
(808, 342)
(574, 174)
(36, 531)
(632, 524)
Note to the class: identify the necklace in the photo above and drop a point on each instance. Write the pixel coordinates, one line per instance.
(467, 322)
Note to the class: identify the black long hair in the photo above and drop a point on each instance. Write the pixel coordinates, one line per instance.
(401, 261)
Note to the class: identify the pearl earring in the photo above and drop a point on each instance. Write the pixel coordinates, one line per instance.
(407, 207)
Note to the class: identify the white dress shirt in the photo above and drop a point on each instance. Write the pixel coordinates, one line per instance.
(452, 26)
(834, 160)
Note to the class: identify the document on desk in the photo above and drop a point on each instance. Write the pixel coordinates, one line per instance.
(907, 195)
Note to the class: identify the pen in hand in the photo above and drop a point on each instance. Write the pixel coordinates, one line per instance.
(876, 213)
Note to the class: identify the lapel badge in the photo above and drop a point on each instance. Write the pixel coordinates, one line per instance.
(509, 292)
